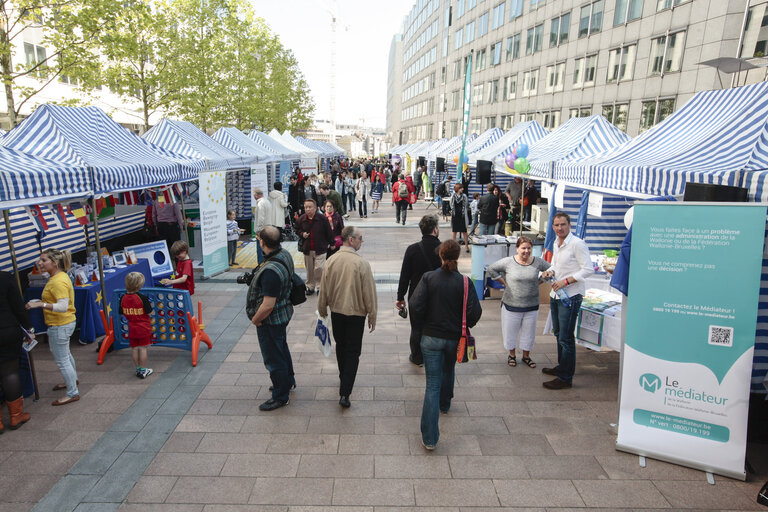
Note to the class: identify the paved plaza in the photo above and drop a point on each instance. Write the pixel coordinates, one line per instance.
(193, 440)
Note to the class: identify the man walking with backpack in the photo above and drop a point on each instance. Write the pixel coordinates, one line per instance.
(269, 307)
(401, 197)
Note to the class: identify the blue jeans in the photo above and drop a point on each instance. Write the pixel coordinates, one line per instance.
(475, 217)
(277, 359)
(439, 363)
(58, 342)
(363, 206)
(350, 198)
(485, 229)
(563, 324)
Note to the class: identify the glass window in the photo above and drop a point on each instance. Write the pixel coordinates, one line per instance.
(480, 62)
(482, 25)
(555, 77)
(515, 9)
(456, 69)
(617, 115)
(554, 31)
(591, 18)
(513, 47)
(507, 122)
(573, 112)
(474, 126)
(585, 112)
(492, 90)
(29, 53)
(510, 87)
(552, 119)
(459, 8)
(668, 4)
(490, 122)
(469, 32)
(665, 109)
(626, 11)
(477, 94)
(666, 54)
(621, 63)
(558, 31)
(590, 66)
(647, 114)
(584, 20)
(459, 38)
(471, 4)
(496, 54)
(538, 37)
(530, 82)
(529, 42)
(578, 72)
(498, 16)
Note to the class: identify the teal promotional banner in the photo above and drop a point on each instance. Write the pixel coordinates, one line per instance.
(694, 283)
(465, 120)
(213, 222)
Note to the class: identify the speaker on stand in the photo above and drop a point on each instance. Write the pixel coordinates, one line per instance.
(439, 170)
(484, 169)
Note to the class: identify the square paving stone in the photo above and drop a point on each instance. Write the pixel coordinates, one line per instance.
(701, 495)
(219, 489)
(563, 467)
(292, 491)
(187, 464)
(151, 489)
(256, 464)
(336, 466)
(403, 466)
(473, 466)
(537, 493)
(206, 423)
(303, 443)
(373, 492)
(448, 492)
(626, 493)
(374, 444)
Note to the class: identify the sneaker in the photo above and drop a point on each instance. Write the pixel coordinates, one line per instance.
(146, 373)
(428, 447)
(140, 374)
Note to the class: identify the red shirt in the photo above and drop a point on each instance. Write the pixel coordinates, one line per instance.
(184, 268)
(135, 307)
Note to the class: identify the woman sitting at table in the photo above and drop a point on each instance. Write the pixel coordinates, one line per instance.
(59, 314)
(13, 317)
(520, 303)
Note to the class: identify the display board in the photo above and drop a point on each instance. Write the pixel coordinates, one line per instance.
(156, 253)
(259, 178)
(308, 166)
(694, 283)
(213, 222)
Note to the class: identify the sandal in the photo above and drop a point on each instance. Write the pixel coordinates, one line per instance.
(66, 400)
(512, 361)
(529, 362)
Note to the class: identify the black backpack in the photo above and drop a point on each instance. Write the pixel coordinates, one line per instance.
(441, 189)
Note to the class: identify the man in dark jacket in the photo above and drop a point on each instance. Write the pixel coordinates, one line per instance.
(315, 236)
(419, 258)
(487, 208)
(296, 197)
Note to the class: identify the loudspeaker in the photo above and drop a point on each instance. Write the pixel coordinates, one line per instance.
(440, 164)
(422, 161)
(706, 192)
(484, 168)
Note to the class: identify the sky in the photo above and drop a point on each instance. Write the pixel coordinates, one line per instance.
(364, 34)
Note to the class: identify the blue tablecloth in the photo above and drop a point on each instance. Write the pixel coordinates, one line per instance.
(88, 300)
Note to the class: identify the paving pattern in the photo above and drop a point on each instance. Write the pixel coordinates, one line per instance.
(193, 440)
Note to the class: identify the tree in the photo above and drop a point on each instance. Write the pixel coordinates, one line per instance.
(70, 29)
(139, 57)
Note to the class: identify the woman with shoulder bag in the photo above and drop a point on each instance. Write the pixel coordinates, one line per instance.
(13, 317)
(437, 306)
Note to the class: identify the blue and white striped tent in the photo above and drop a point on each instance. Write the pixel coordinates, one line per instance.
(237, 142)
(579, 137)
(484, 140)
(287, 140)
(274, 145)
(526, 132)
(87, 137)
(449, 150)
(439, 148)
(186, 139)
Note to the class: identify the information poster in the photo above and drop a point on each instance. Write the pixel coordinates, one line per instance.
(285, 173)
(259, 179)
(156, 253)
(690, 330)
(213, 222)
(308, 166)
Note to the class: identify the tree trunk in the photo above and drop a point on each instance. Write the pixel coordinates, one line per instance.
(6, 68)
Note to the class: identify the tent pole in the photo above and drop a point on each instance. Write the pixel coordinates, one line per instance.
(522, 204)
(184, 217)
(98, 255)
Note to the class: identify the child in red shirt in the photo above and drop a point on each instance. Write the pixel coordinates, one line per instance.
(185, 277)
(135, 307)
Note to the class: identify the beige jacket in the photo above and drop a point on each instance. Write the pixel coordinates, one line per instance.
(347, 286)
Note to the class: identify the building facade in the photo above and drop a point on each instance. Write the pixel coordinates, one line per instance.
(634, 61)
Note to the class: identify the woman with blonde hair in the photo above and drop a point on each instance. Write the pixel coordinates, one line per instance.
(58, 305)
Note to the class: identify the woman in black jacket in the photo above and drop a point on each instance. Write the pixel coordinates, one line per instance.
(437, 306)
(13, 317)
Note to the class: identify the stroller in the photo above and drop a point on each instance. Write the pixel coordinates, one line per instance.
(288, 233)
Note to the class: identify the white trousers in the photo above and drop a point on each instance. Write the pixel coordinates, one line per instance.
(520, 325)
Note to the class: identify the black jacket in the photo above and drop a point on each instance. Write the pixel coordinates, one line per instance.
(12, 315)
(320, 233)
(487, 208)
(296, 198)
(436, 306)
(414, 264)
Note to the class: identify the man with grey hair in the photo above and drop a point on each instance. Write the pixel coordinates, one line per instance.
(261, 216)
(349, 290)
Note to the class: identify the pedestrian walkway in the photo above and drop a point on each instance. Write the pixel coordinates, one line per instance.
(193, 440)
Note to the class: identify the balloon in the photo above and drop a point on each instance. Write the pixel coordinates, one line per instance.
(456, 159)
(510, 161)
(465, 167)
(522, 151)
(522, 165)
(510, 170)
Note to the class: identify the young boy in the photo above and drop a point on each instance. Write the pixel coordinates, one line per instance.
(233, 235)
(185, 277)
(135, 307)
(473, 209)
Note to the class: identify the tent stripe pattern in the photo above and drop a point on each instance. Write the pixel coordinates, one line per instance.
(484, 140)
(268, 142)
(237, 142)
(186, 139)
(25, 235)
(527, 132)
(86, 136)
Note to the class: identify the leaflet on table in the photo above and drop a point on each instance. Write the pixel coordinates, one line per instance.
(690, 333)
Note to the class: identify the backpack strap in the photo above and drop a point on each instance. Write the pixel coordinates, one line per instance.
(464, 307)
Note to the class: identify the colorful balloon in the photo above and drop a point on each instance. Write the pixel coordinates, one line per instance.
(510, 160)
(522, 151)
(522, 165)
(456, 159)
(510, 170)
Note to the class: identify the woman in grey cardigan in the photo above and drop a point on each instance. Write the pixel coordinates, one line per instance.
(520, 304)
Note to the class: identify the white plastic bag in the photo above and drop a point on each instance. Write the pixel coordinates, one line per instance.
(323, 336)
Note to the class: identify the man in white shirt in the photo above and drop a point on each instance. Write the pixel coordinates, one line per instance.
(571, 265)
(261, 217)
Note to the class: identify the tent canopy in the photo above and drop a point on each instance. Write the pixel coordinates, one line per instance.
(288, 141)
(274, 145)
(87, 137)
(186, 139)
(237, 142)
(526, 132)
(314, 145)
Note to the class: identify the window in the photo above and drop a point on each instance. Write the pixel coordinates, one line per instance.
(515, 9)
(456, 69)
(459, 38)
(492, 91)
(460, 8)
(34, 55)
(617, 115)
(513, 47)
(456, 99)
(496, 54)
(498, 16)
(626, 11)
(482, 25)
(535, 3)
(480, 60)
(474, 126)
(591, 19)
(529, 82)
(552, 119)
(441, 104)
(584, 71)
(666, 54)
(668, 4)
(490, 122)
(477, 94)
(507, 122)
(655, 111)
(471, 4)
(621, 63)
(510, 87)
(574, 112)
(442, 75)
(555, 77)
(558, 31)
(533, 39)
(469, 32)
(454, 129)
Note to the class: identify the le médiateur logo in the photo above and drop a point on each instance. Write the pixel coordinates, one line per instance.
(672, 388)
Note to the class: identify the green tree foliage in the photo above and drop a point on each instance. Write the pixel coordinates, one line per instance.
(67, 49)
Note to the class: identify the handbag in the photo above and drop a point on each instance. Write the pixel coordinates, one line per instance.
(466, 351)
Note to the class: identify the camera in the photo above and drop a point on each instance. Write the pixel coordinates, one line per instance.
(246, 278)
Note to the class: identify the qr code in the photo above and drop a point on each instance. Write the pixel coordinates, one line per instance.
(720, 336)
